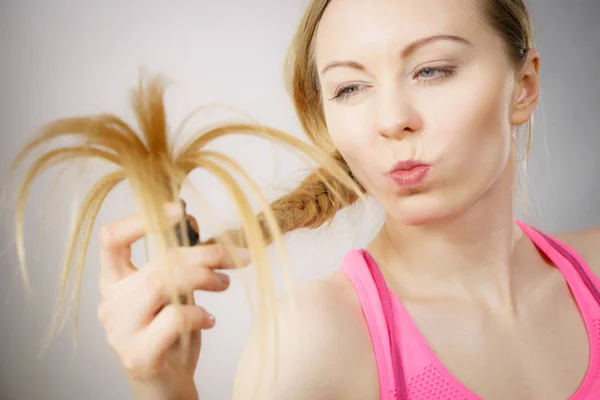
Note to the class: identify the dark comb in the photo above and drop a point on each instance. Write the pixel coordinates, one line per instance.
(192, 235)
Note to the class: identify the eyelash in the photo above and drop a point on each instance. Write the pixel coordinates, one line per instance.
(340, 96)
(446, 72)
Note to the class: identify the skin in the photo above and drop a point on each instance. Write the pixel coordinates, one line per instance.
(489, 305)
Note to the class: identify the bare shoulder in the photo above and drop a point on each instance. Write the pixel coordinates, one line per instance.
(586, 242)
(324, 347)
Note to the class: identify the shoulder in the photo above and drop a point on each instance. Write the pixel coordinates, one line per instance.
(586, 242)
(324, 347)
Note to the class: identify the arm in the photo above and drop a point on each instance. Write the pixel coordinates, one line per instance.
(324, 353)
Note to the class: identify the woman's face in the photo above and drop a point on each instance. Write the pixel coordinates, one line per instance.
(422, 80)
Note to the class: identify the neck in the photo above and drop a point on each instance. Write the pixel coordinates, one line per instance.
(468, 256)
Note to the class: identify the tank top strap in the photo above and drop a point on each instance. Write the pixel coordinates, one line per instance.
(584, 285)
(378, 311)
(571, 264)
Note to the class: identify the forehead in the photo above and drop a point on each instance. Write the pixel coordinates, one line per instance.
(352, 27)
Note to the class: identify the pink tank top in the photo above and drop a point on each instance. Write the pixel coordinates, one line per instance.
(408, 368)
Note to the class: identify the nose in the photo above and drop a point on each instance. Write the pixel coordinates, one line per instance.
(396, 115)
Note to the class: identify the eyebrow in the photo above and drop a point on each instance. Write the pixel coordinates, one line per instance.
(407, 51)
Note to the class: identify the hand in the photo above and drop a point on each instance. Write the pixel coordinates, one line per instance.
(141, 325)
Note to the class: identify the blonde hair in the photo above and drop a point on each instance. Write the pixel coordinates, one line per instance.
(156, 171)
(512, 20)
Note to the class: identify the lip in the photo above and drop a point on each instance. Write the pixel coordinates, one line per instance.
(407, 165)
(409, 174)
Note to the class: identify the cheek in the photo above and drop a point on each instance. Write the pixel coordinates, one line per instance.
(347, 128)
(352, 137)
(473, 130)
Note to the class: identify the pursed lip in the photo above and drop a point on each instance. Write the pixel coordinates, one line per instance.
(407, 165)
(409, 174)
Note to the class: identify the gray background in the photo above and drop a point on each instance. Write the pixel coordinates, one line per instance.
(69, 57)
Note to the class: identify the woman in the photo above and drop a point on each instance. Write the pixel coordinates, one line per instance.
(452, 299)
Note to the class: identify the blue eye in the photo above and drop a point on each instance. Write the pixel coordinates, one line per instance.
(345, 92)
(427, 72)
(434, 73)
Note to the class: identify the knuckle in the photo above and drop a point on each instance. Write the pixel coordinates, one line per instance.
(202, 275)
(200, 279)
(102, 287)
(201, 311)
(175, 256)
(102, 313)
(216, 252)
(132, 362)
(106, 236)
(111, 337)
(176, 317)
(153, 281)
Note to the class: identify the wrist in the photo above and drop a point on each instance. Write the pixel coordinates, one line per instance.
(160, 390)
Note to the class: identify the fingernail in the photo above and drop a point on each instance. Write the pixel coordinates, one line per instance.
(211, 319)
(224, 279)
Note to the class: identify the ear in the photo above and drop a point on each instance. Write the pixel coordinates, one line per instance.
(527, 89)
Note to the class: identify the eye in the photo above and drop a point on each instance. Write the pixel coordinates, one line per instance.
(427, 73)
(434, 74)
(345, 92)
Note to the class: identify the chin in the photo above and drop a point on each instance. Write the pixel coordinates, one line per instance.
(422, 210)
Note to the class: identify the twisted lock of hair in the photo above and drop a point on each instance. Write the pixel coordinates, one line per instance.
(314, 202)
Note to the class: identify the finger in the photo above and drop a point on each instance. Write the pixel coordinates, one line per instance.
(154, 341)
(145, 292)
(155, 285)
(216, 256)
(135, 301)
(116, 240)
